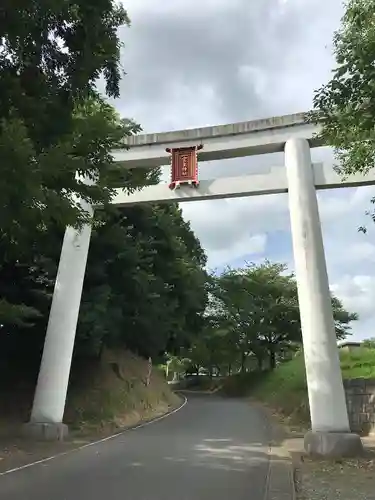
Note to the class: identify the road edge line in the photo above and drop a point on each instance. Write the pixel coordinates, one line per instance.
(93, 443)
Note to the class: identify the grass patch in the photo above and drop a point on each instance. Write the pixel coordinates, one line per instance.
(359, 363)
(285, 389)
(241, 384)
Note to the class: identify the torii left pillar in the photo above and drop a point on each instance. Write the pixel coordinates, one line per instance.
(46, 421)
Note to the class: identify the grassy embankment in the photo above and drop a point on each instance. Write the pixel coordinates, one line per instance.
(104, 396)
(116, 395)
(284, 390)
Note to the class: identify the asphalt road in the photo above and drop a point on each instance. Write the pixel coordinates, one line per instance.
(212, 449)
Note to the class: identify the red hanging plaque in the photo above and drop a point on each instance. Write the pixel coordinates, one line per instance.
(184, 166)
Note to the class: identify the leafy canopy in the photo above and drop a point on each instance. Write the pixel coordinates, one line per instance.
(345, 106)
(145, 283)
(253, 314)
(55, 129)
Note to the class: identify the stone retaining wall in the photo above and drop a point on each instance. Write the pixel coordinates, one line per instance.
(360, 398)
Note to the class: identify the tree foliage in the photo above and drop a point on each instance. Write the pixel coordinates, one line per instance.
(345, 106)
(145, 283)
(145, 280)
(56, 132)
(369, 343)
(53, 124)
(144, 289)
(253, 315)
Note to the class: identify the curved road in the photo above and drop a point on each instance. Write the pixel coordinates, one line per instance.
(212, 449)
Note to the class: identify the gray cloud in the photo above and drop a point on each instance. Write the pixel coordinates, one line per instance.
(202, 49)
(244, 58)
(195, 63)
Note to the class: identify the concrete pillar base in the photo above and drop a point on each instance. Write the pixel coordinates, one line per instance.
(45, 431)
(333, 444)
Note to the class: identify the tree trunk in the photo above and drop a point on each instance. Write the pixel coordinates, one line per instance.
(272, 358)
(243, 361)
(230, 369)
(260, 363)
(101, 350)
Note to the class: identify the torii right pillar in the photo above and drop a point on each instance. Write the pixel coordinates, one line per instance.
(330, 432)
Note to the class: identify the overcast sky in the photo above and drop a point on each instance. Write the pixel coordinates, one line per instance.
(192, 63)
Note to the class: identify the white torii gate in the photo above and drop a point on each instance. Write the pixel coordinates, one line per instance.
(330, 431)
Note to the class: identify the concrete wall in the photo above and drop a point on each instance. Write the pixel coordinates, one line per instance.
(360, 397)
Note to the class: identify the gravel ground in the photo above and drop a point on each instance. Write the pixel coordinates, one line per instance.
(349, 480)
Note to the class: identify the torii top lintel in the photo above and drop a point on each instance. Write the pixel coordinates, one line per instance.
(220, 142)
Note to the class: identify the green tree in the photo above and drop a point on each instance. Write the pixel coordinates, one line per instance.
(274, 295)
(342, 318)
(369, 343)
(32, 219)
(262, 305)
(53, 124)
(145, 283)
(345, 106)
(144, 289)
(210, 349)
(55, 129)
(257, 307)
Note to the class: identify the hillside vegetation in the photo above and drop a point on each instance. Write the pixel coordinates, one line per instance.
(285, 388)
(116, 394)
(104, 396)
